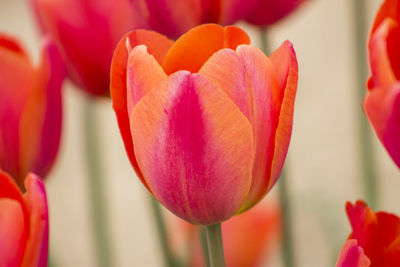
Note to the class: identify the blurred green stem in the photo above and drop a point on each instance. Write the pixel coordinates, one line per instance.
(204, 246)
(215, 245)
(96, 187)
(287, 238)
(162, 233)
(368, 170)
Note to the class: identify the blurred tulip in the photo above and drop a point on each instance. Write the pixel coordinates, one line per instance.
(375, 240)
(24, 228)
(207, 120)
(382, 102)
(249, 239)
(30, 109)
(267, 12)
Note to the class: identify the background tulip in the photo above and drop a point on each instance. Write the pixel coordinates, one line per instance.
(24, 227)
(382, 102)
(30, 109)
(267, 12)
(206, 122)
(374, 240)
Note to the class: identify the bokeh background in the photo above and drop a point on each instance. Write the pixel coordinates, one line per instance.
(323, 164)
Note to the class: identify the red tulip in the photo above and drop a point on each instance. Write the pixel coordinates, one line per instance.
(24, 226)
(30, 109)
(248, 238)
(375, 240)
(267, 12)
(382, 102)
(206, 121)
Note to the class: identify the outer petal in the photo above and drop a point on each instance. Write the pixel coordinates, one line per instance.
(388, 9)
(157, 45)
(194, 148)
(230, 11)
(196, 46)
(87, 33)
(267, 12)
(248, 77)
(382, 108)
(36, 251)
(175, 17)
(16, 79)
(352, 255)
(40, 126)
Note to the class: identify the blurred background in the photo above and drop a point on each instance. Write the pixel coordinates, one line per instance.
(322, 167)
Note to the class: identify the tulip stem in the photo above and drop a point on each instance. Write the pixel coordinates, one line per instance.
(287, 237)
(96, 188)
(162, 233)
(204, 246)
(368, 170)
(215, 245)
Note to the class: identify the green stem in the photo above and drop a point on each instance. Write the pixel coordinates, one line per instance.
(96, 188)
(287, 238)
(215, 245)
(368, 170)
(204, 246)
(162, 233)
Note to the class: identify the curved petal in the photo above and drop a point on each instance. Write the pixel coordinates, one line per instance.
(157, 45)
(196, 46)
(388, 9)
(352, 255)
(36, 251)
(16, 79)
(194, 148)
(40, 125)
(382, 108)
(12, 233)
(232, 11)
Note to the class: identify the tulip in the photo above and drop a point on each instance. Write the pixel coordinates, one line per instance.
(206, 120)
(268, 12)
(249, 238)
(382, 101)
(30, 109)
(24, 227)
(375, 240)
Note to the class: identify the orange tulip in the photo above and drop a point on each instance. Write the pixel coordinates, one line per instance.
(382, 102)
(206, 121)
(24, 226)
(30, 109)
(375, 240)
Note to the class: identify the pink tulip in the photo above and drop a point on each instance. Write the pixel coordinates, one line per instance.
(382, 102)
(30, 109)
(207, 120)
(24, 226)
(267, 12)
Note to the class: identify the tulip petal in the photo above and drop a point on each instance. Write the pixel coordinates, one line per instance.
(16, 79)
(12, 233)
(40, 125)
(194, 147)
(352, 255)
(36, 251)
(285, 62)
(157, 45)
(232, 11)
(388, 9)
(381, 106)
(196, 46)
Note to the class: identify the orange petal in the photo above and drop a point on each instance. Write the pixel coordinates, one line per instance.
(157, 45)
(196, 46)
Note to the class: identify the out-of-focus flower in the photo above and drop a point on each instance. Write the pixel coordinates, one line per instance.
(24, 227)
(87, 31)
(267, 12)
(382, 102)
(249, 239)
(207, 120)
(375, 240)
(30, 109)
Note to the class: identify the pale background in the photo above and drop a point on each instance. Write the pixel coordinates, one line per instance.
(323, 162)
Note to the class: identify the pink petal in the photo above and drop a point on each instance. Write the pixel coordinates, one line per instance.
(352, 255)
(194, 148)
